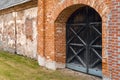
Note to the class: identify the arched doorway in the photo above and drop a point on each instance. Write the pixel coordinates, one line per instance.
(84, 41)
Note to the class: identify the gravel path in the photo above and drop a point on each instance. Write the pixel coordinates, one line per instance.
(82, 76)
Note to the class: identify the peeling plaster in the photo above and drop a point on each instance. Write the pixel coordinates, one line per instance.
(16, 21)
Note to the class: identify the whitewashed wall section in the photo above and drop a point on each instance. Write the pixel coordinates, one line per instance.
(18, 32)
(7, 32)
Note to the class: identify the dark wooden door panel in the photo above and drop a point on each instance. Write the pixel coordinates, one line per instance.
(84, 41)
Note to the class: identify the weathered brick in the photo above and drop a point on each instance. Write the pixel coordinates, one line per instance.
(59, 14)
(43, 31)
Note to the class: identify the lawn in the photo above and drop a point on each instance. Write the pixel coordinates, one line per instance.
(15, 67)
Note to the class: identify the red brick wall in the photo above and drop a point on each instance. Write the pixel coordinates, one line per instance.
(52, 16)
(114, 40)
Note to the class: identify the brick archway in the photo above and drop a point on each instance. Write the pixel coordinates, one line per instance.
(60, 19)
(55, 21)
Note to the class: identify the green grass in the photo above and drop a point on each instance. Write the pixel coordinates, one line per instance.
(15, 67)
